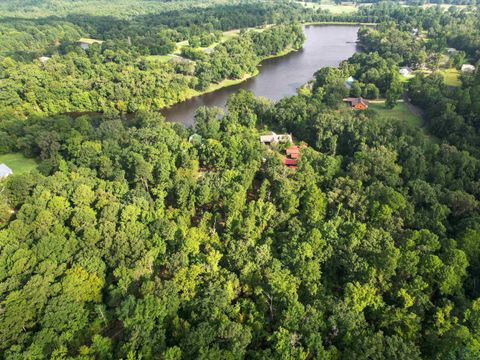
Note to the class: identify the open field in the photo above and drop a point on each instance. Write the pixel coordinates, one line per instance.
(333, 8)
(400, 112)
(451, 75)
(18, 163)
(90, 41)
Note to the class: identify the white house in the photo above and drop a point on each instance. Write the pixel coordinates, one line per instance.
(5, 171)
(405, 71)
(468, 68)
(274, 138)
(43, 59)
(451, 50)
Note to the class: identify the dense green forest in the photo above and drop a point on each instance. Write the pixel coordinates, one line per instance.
(137, 238)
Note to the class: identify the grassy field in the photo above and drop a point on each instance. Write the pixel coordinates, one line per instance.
(90, 41)
(400, 112)
(160, 58)
(451, 76)
(18, 163)
(333, 8)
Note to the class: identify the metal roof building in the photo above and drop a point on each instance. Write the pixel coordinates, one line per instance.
(5, 171)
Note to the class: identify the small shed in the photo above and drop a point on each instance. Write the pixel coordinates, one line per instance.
(5, 171)
(357, 103)
(468, 68)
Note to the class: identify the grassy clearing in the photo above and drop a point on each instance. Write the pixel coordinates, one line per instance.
(400, 112)
(90, 41)
(332, 7)
(18, 163)
(451, 76)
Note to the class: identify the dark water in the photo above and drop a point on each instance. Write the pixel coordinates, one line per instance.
(325, 45)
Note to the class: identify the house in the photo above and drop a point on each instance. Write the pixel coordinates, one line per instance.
(5, 171)
(85, 42)
(451, 50)
(405, 71)
(468, 68)
(293, 151)
(290, 163)
(349, 82)
(274, 138)
(415, 31)
(43, 59)
(292, 156)
(357, 103)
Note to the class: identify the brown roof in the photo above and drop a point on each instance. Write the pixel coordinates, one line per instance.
(356, 101)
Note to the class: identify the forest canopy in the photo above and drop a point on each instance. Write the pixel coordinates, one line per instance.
(138, 238)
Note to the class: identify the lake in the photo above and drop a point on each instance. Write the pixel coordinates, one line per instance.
(325, 45)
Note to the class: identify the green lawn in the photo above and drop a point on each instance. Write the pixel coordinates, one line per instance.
(333, 8)
(18, 163)
(400, 111)
(90, 41)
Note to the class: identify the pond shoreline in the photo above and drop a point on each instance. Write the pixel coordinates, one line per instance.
(280, 75)
(230, 82)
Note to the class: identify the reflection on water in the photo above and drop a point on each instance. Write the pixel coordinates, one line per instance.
(325, 45)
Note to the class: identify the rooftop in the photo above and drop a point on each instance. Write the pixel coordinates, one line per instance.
(5, 171)
(90, 41)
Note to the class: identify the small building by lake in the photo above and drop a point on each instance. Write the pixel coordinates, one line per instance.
(357, 103)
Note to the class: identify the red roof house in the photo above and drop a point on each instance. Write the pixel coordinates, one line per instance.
(293, 150)
(289, 162)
